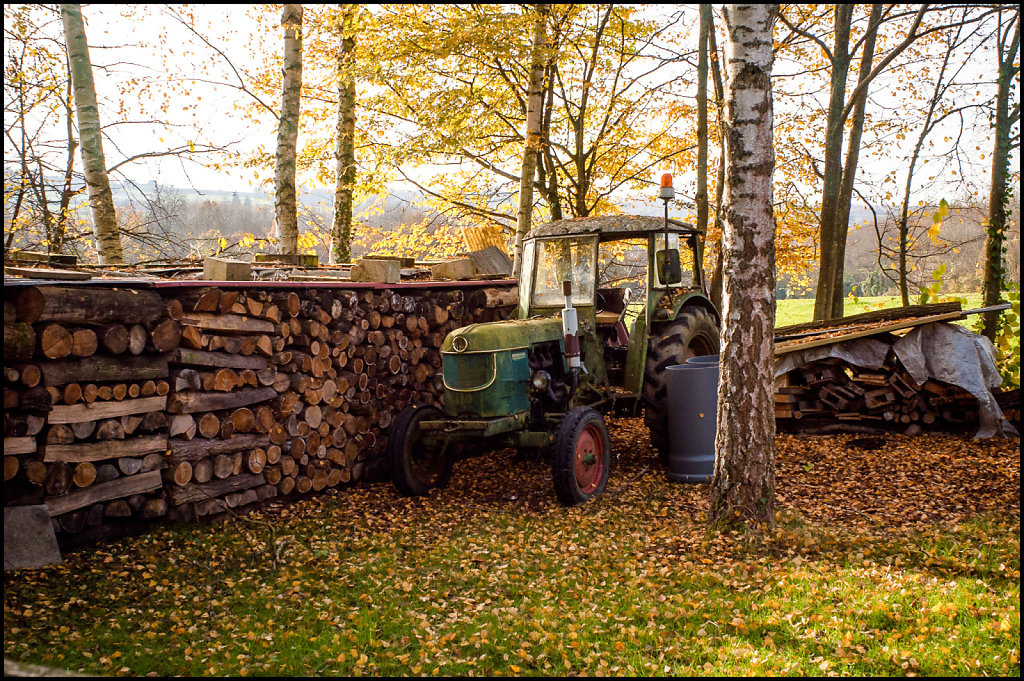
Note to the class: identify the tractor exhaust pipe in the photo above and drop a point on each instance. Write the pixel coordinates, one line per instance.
(570, 329)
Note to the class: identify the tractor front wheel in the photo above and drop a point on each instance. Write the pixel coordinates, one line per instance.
(415, 467)
(693, 333)
(581, 456)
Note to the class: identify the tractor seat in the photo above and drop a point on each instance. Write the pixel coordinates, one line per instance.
(612, 303)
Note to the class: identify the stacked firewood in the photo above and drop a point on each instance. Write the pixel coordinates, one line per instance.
(889, 397)
(85, 394)
(128, 405)
(290, 392)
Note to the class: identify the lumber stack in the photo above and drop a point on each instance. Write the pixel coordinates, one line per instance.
(85, 392)
(831, 390)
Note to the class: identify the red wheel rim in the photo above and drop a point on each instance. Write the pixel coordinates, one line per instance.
(589, 459)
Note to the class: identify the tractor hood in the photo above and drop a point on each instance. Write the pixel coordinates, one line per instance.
(498, 336)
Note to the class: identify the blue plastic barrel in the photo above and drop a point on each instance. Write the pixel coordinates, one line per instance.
(692, 419)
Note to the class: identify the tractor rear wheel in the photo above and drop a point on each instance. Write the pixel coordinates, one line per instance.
(581, 456)
(693, 333)
(415, 467)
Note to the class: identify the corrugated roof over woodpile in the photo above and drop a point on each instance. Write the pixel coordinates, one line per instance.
(626, 225)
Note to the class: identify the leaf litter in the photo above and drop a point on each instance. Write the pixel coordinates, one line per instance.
(898, 558)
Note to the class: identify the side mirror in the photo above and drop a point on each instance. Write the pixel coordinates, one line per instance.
(669, 269)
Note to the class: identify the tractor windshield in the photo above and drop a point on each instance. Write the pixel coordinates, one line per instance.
(560, 259)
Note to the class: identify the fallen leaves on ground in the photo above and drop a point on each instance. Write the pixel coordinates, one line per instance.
(902, 559)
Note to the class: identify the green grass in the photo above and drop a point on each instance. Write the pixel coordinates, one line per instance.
(466, 583)
(800, 310)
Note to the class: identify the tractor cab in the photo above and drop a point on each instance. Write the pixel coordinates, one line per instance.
(617, 266)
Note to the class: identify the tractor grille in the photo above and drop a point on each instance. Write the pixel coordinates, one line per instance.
(468, 371)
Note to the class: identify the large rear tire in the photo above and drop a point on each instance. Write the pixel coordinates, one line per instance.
(581, 456)
(416, 468)
(693, 333)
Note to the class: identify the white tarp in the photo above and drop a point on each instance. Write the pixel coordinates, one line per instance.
(939, 350)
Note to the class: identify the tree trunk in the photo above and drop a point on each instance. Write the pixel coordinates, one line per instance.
(345, 153)
(999, 192)
(286, 209)
(842, 223)
(101, 200)
(532, 135)
(743, 487)
(702, 119)
(833, 173)
(716, 76)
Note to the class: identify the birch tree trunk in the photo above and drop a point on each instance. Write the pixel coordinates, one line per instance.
(743, 487)
(999, 192)
(533, 135)
(345, 152)
(101, 200)
(285, 201)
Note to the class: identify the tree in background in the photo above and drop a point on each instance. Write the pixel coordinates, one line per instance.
(532, 134)
(743, 487)
(345, 154)
(285, 202)
(1006, 115)
(101, 200)
(37, 95)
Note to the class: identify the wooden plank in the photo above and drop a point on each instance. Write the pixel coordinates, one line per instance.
(204, 358)
(889, 314)
(793, 346)
(191, 402)
(38, 256)
(108, 449)
(200, 492)
(105, 491)
(76, 413)
(226, 322)
(19, 445)
(45, 273)
(201, 448)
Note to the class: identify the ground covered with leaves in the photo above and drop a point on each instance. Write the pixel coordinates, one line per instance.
(891, 557)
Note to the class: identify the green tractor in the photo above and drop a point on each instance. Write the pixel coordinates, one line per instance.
(605, 305)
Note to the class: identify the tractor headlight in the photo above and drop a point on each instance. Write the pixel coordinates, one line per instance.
(459, 344)
(540, 380)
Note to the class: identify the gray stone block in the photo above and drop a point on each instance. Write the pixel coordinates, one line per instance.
(29, 541)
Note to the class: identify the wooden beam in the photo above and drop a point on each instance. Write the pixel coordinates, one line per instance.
(19, 445)
(793, 346)
(105, 491)
(226, 322)
(103, 368)
(196, 449)
(109, 449)
(76, 413)
(191, 402)
(213, 489)
(203, 358)
(44, 273)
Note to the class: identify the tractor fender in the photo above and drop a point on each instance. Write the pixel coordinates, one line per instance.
(671, 305)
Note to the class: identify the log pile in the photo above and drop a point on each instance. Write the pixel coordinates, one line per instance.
(85, 395)
(127, 405)
(291, 392)
(888, 398)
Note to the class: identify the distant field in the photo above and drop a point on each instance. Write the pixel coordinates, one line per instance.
(800, 310)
